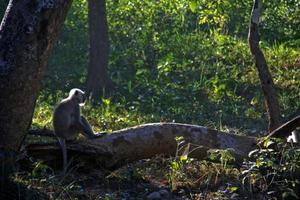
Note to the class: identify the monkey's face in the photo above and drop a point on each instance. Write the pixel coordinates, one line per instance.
(78, 95)
(81, 98)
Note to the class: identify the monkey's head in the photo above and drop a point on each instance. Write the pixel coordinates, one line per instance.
(77, 95)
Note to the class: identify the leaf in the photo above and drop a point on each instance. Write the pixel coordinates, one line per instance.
(183, 158)
(259, 163)
(268, 143)
(141, 71)
(270, 163)
(106, 102)
(193, 6)
(185, 154)
(179, 138)
(254, 101)
(174, 165)
(288, 195)
(233, 189)
(252, 153)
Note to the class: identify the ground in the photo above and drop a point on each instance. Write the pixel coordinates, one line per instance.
(155, 178)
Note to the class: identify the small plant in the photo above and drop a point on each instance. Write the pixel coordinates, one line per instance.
(41, 170)
(274, 170)
(221, 172)
(224, 156)
(177, 163)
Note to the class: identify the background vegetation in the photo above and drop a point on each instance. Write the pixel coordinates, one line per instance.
(183, 61)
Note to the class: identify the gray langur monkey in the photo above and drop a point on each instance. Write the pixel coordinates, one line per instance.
(68, 122)
(294, 137)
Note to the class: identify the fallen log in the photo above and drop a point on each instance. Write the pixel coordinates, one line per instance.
(145, 141)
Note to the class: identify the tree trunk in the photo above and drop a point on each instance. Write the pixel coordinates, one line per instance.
(146, 141)
(266, 80)
(98, 80)
(27, 34)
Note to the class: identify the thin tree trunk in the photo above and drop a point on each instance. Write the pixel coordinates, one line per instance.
(265, 77)
(145, 141)
(27, 34)
(98, 80)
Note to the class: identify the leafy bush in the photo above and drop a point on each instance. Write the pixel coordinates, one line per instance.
(274, 170)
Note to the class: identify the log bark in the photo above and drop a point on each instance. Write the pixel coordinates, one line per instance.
(145, 141)
(267, 84)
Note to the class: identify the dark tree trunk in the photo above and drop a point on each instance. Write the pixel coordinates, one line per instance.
(266, 80)
(150, 56)
(98, 80)
(27, 34)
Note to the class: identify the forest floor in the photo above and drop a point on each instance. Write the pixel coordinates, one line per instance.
(156, 178)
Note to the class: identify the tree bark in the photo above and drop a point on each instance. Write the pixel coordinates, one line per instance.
(265, 77)
(27, 34)
(145, 141)
(98, 80)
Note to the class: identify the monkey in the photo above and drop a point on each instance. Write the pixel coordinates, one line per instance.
(68, 121)
(294, 137)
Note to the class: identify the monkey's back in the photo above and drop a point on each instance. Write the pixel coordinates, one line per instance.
(62, 120)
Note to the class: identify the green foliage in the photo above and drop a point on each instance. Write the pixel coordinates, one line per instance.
(230, 16)
(281, 13)
(41, 170)
(182, 167)
(168, 67)
(224, 156)
(177, 164)
(68, 64)
(274, 169)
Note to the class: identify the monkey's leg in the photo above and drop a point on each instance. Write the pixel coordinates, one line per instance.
(62, 143)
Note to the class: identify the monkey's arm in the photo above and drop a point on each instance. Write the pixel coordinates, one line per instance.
(81, 124)
(84, 127)
(87, 129)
